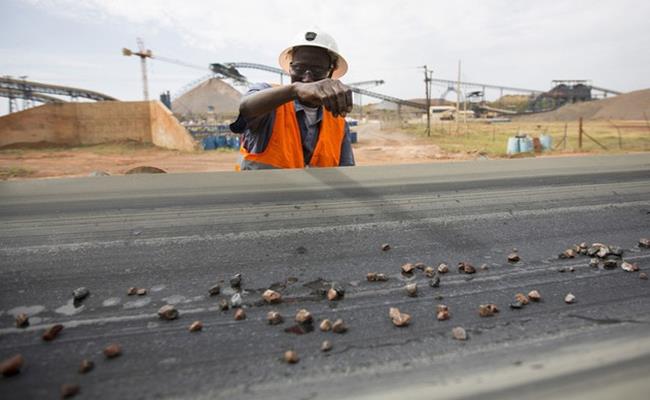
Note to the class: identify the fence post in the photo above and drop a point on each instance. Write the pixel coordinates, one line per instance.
(580, 133)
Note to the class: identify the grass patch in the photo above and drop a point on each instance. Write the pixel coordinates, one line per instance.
(491, 139)
(15, 172)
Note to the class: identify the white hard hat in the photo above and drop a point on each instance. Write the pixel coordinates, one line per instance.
(316, 38)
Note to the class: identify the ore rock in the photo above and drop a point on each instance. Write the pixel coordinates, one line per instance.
(22, 321)
(271, 296)
(534, 295)
(643, 276)
(303, 316)
(274, 318)
(385, 247)
(629, 267)
(326, 346)
(12, 365)
(443, 268)
(141, 292)
(435, 281)
(459, 333)
(339, 326)
(240, 314)
(466, 267)
(235, 300)
(80, 293)
(69, 390)
(168, 312)
(291, 357)
(235, 281)
(86, 366)
(214, 290)
(412, 289)
(521, 298)
(196, 326)
(112, 350)
(569, 298)
(408, 268)
(644, 242)
(326, 325)
(52, 332)
(223, 304)
(399, 319)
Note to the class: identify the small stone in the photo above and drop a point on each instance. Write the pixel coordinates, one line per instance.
(399, 319)
(441, 307)
(235, 281)
(521, 298)
(593, 262)
(429, 271)
(408, 268)
(326, 325)
(141, 292)
(593, 250)
(385, 247)
(22, 321)
(513, 258)
(603, 252)
(132, 291)
(274, 318)
(516, 305)
(487, 310)
(371, 276)
(571, 269)
(271, 296)
(52, 332)
(236, 300)
(240, 314)
(442, 315)
(583, 245)
(466, 267)
(568, 253)
(168, 312)
(80, 293)
(644, 242)
(569, 298)
(303, 317)
(69, 390)
(86, 366)
(629, 267)
(112, 350)
(643, 276)
(326, 346)
(223, 304)
(214, 290)
(336, 292)
(196, 326)
(435, 281)
(484, 267)
(420, 265)
(443, 268)
(291, 357)
(412, 289)
(610, 263)
(339, 326)
(534, 295)
(381, 278)
(459, 333)
(12, 365)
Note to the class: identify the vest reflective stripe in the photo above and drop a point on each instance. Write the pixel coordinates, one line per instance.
(284, 149)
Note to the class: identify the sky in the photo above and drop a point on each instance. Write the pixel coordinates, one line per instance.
(513, 43)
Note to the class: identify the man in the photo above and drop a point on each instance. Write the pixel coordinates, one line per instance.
(301, 124)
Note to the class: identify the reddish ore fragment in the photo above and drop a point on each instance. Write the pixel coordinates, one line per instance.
(12, 365)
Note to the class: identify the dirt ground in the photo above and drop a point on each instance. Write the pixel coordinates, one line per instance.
(378, 144)
(375, 147)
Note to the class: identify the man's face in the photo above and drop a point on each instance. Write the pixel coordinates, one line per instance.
(310, 64)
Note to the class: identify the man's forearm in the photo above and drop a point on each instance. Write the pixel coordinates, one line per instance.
(265, 101)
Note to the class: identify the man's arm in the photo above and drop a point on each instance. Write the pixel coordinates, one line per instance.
(330, 93)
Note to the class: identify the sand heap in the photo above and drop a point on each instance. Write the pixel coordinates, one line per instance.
(211, 96)
(628, 106)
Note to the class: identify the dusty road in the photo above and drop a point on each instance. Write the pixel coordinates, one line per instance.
(176, 235)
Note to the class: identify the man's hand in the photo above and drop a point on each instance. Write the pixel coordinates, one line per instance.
(330, 93)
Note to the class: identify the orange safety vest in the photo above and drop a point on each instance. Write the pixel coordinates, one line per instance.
(284, 149)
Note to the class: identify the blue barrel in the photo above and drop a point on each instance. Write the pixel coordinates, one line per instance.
(513, 145)
(221, 141)
(233, 142)
(526, 145)
(353, 137)
(546, 141)
(208, 143)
